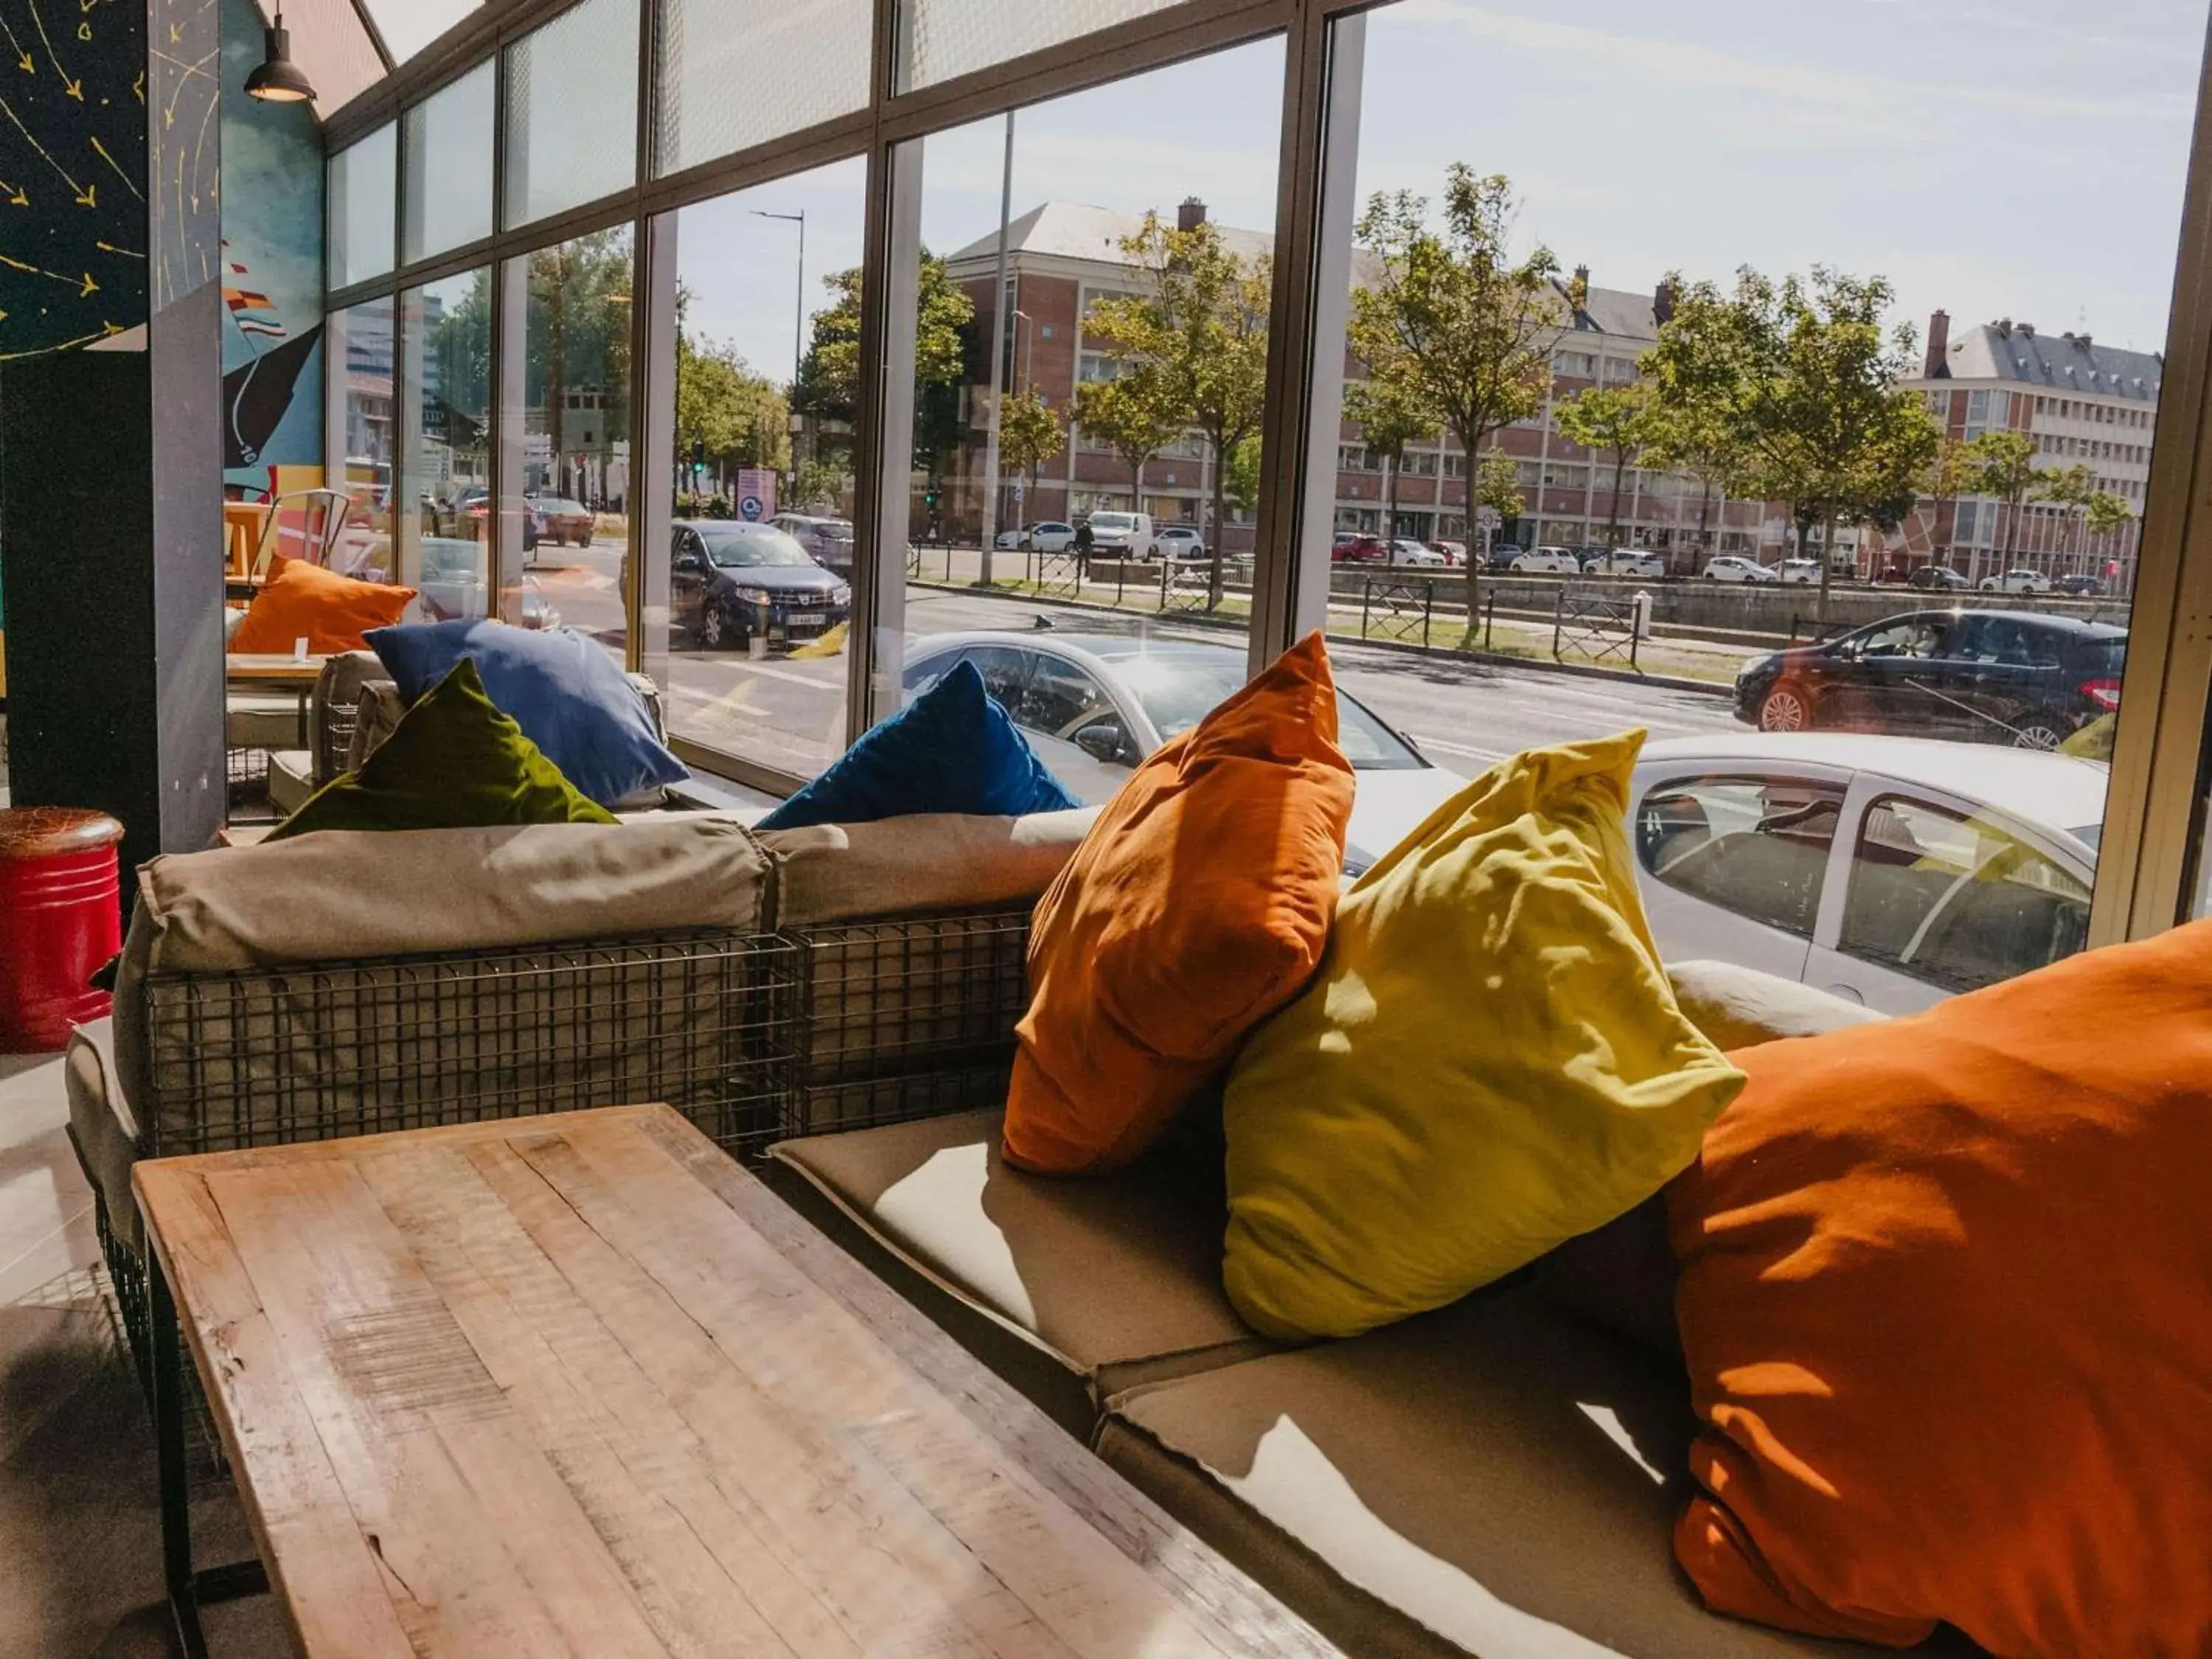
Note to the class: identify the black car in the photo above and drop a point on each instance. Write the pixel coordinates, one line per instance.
(2012, 676)
(730, 582)
(1940, 577)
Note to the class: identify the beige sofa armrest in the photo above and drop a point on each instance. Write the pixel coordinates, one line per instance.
(1737, 1007)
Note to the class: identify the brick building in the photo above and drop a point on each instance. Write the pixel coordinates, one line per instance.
(2083, 404)
(1061, 256)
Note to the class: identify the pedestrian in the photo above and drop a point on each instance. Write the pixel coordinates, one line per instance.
(1083, 542)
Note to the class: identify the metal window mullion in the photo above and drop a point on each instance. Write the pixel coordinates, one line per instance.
(879, 528)
(2148, 853)
(646, 372)
(780, 157)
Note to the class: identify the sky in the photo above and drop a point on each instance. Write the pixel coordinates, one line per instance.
(2020, 158)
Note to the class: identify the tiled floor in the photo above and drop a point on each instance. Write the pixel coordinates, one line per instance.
(79, 1540)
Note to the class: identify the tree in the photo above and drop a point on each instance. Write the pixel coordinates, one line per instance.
(830, 374)
(1240, 474)
(1619, 422)
(816, 484)
(1203, 320)
(1136, 414)
(577, 324)
(1798, 380)
(727, 414)
(1389, 420)
(2001, 465)
(1452, 322)
(1030, 435)
(2105, 513)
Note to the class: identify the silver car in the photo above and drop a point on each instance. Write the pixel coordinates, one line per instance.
(1093, 705)
(828, 542)
(1894, 871)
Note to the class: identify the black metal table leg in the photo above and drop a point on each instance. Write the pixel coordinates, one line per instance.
(187, 1589)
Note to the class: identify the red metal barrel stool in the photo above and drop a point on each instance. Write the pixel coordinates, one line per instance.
(59, 920)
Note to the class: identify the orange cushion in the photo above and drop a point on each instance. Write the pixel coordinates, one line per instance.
(304, 601)
(1946, 1306)
(1197, 905)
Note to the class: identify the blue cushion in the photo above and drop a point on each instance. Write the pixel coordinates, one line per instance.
(951, 750)
(569, 696)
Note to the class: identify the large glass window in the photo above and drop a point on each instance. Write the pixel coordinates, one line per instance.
(574, 421)
(1494, 279)
(363, 181)
(572, 109)
(740, 72)
(1087, 430)
(448, 152)
(445, 500)
(761, 553)
(953, 36)
(363, 436)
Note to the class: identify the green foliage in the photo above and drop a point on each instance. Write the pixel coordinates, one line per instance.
(818, 485)
(1496, 483)
(1201, 323)
(830, 373)
(1622, 421)
(1390, 419)
(578, 331)
(1029, 434)
(725, 414)
(1136, 414)
(2105, 512)
(1240, 474)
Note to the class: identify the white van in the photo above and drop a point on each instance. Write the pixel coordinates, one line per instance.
(1122, 536)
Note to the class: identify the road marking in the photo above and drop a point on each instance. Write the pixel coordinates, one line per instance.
(767, 671)
(1423, 740)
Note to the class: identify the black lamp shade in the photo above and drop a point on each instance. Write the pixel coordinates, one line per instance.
(277, 78)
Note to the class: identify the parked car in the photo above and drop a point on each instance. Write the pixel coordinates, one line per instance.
(1895, 871)
(1179, 541)
(1358, 549)
(1046, 536)
(1798, 573)
(730, 582)
(452, 587)
(1502, 555)
(565, 521)
(2081, 588)
(2017, 581)
(1940, 577)
(2009, 676)
(1094, 705)
(1624, 562)
(1892, 576)
(1122, 536)
(1735, 568)
(828, 542)
(1455, 552)
(1405, 551)
(1547, 561)
(472, 507)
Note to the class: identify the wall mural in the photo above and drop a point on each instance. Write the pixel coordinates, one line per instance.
(272, 277)
(185, 168)
(73, 215)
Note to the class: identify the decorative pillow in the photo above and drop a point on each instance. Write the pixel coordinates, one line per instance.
(1947, 1305)
(303, 601)
(569, 696)
(951, 750)
(1198, 904)
(452, 762)
(1490, 1062)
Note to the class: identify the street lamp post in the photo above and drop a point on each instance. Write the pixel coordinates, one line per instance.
(797, 324)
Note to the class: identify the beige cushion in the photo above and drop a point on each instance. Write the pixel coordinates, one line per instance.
(835, 872)
(1737, 1007)
(337, 707)
(263, 720)
(344, 893)
(101, 1128)
(1491, 1479)
(1120, 1279)
(379, 711)
(291, 779)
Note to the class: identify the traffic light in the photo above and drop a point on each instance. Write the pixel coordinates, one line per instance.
(929, 498)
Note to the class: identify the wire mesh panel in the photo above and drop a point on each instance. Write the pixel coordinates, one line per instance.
(701, 1020)
(907, 1019)
(951, 37)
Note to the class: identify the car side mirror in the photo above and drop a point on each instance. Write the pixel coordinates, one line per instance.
(1104, 740)
(686, 561)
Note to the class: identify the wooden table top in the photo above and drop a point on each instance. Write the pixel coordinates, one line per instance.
(578, 1385)
(272, 668)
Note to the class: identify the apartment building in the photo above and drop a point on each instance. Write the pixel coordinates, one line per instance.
(1061, 257)
(2084, 404)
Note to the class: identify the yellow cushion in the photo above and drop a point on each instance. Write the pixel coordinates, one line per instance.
(1489, 1062)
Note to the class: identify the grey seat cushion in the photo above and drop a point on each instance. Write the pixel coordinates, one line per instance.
(291, 779)
(263, 720)
(101, 1126)
(1119, 1279)
(1497, 1477)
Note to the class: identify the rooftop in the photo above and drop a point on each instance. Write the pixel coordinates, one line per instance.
(2020, 353)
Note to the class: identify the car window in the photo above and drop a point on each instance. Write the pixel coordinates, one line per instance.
(1758, 846)
(1003, 670)
(1913, 637)
(1058, 696)
(764, 547)
(2005, 641)
(1959, 902)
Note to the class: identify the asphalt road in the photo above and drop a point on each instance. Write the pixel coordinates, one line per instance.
(789, 712)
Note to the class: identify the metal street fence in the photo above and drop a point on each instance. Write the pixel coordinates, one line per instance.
(1596, 627)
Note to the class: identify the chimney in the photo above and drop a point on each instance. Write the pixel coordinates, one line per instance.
(2003, 326)
(1939, 344)
(2083, 341)
(1662, 303)
(2026, 330)
(1578, 290)
(1191, 214)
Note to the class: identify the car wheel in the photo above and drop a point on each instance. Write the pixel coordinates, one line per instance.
(715, 633)
(2037, 732)
(1785, 709)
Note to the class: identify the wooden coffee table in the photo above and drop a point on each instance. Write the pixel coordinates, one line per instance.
(578, 1385)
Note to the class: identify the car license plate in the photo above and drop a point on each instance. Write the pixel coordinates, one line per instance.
(808, 618)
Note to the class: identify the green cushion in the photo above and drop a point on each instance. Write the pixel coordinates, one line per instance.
(453, 762)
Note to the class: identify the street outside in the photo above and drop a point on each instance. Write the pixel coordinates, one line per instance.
(1464, 714)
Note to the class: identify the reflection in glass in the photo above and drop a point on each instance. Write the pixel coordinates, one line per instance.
(366, 439)
(448, 151)
(444, 427)
(572, 109)
(363, 182)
